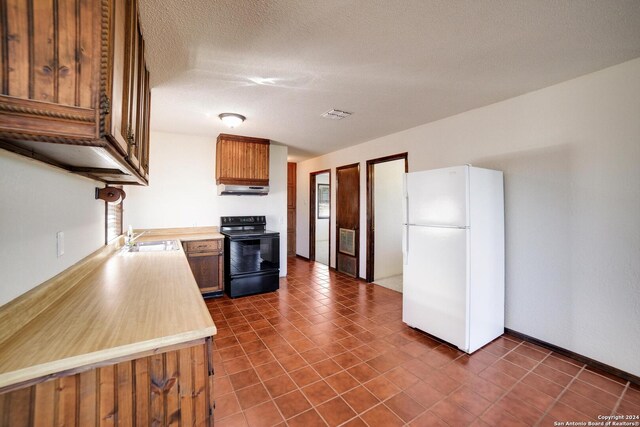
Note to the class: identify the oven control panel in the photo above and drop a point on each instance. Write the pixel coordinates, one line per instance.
(242, 220)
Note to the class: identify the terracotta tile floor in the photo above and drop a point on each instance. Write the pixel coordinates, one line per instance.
(329, 350)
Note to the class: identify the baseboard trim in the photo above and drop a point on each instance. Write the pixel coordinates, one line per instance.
(591, 363)
(302, 257)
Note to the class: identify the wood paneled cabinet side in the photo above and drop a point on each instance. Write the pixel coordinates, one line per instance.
(171, 386)
(206, 260)
(74, 87)
(242, 160)
(291, 208)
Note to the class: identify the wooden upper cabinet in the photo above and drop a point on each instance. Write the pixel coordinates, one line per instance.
(74, 86)
(50, 74)
(242, 160)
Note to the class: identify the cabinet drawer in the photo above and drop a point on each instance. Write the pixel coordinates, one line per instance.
(204, 245)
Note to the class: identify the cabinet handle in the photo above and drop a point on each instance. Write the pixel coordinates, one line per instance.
(106, 104)
(130, 137)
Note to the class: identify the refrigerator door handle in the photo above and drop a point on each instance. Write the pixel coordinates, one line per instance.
(405, 228)
(405, 205)
(456, 227)
(405, 244)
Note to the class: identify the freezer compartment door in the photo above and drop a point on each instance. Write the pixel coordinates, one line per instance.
(435, 283)
(438, 197)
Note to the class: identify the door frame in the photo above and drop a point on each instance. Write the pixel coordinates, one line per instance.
(312, 214)
(337, 231)
(371, 237)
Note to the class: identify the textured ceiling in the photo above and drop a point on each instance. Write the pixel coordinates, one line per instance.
(394, 63)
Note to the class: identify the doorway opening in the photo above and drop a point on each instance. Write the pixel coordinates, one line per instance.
(319, 216)
(384, 220)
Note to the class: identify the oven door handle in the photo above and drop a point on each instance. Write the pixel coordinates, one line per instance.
(238, 238)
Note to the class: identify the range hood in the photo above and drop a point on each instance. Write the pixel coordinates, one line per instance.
(242, 190)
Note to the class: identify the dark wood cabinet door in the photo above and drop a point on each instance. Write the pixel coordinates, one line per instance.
(291, 208)
(131, 98)
(115, 125)
(144, 127)
(129, 87)
(206, 268)
(348, 219)
(50, 70)
(73, 74)
(242, 160)
(52, 51)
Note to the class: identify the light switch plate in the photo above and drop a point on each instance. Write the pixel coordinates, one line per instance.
(60, 243)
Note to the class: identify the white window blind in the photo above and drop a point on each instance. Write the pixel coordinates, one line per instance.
(113, 219)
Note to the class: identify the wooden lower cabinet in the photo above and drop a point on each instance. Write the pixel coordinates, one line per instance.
(206, 259)
(173, 387)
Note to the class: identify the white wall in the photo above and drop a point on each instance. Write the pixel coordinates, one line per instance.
(37, 201)
(182, 190)
(388, 191)
(322, 227)
(571, 159)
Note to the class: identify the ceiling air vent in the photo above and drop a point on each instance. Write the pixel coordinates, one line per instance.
(336, 114)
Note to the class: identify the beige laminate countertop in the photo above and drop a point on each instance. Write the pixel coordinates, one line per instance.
(132, 302)
(159, 234)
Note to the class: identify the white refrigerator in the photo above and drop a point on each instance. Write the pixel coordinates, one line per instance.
(453, 247)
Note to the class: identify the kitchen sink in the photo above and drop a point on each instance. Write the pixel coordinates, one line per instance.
(159, 246)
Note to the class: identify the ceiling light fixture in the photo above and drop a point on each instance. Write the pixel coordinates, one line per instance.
(232, 119)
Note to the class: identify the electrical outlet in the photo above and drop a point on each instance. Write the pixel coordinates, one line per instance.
(60, 243)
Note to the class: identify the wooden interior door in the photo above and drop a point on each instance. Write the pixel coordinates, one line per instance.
(348, 219)
(291, 209)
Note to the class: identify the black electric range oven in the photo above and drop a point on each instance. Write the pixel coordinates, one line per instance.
(252, 261)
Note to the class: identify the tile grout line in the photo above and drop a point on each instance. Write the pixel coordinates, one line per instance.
(360, 384)
(452, 391)
(518, 381)
(337, 307)
(286, 372)
(298, 388)
(619, 401)
(457, 388)
(338, 394)
(562, 393)
(234, 391)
